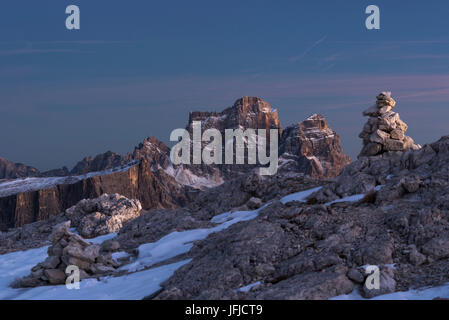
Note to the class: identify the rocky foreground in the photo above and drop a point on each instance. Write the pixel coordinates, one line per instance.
(390, 210)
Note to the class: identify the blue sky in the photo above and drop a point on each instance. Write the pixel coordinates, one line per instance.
(136, 68)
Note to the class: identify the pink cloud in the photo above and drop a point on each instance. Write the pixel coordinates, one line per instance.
(331, 92)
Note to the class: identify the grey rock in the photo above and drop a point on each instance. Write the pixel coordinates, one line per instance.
(356, 276)
(387, 284)
(55, 276)
(103, 215)
(310, 286)
(254, 203)
(415, 257)
(437, 248)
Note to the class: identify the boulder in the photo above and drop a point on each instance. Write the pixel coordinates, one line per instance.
(103, 215)
(356, 276)
(415, 257)
(437, 248)
(254, 203)
(55, 276)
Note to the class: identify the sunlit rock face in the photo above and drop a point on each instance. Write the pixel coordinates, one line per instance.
(313, 148)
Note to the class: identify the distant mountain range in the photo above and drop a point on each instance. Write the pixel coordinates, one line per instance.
(310, 147)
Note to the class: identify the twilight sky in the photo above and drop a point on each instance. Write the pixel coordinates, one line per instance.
(136, 68)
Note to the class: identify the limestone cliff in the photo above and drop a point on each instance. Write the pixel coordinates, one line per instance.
(153, 189)
(313, 148)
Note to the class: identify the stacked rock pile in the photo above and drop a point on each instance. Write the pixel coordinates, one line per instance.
(69, 249)
(384, 130)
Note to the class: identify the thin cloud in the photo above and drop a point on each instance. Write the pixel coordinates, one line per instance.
(421, 56)
(302, 55)
(65, 42)
(45, 47)
(331, 58)
(338, 91)
(401, 42)
(84, 42)
(14, 52)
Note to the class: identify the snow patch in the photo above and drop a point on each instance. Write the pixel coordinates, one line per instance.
(33, 184)
(299, 196)
(133, 286)
(248, 287)
(313, 117)
(16, 265)
(428, 293)
(186, 177)
(120, 255)
(101, 239)
(353, 198)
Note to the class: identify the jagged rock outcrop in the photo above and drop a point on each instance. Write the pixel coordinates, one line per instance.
(152, 189)
(154, 151)
(309, 147)
(313, 148)
(61, 172)
(384, 130)
(68, 249)
(102, 215)
(247, 112)
(100, 162)
(9, 170)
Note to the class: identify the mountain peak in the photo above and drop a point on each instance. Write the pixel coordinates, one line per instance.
(316, 147)
(246, 112)
(253, 104)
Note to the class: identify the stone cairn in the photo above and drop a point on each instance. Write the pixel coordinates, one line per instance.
(71, 249)
(384, 130)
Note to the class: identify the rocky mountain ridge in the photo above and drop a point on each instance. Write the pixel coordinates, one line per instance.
(312, 148)
(10, 170)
